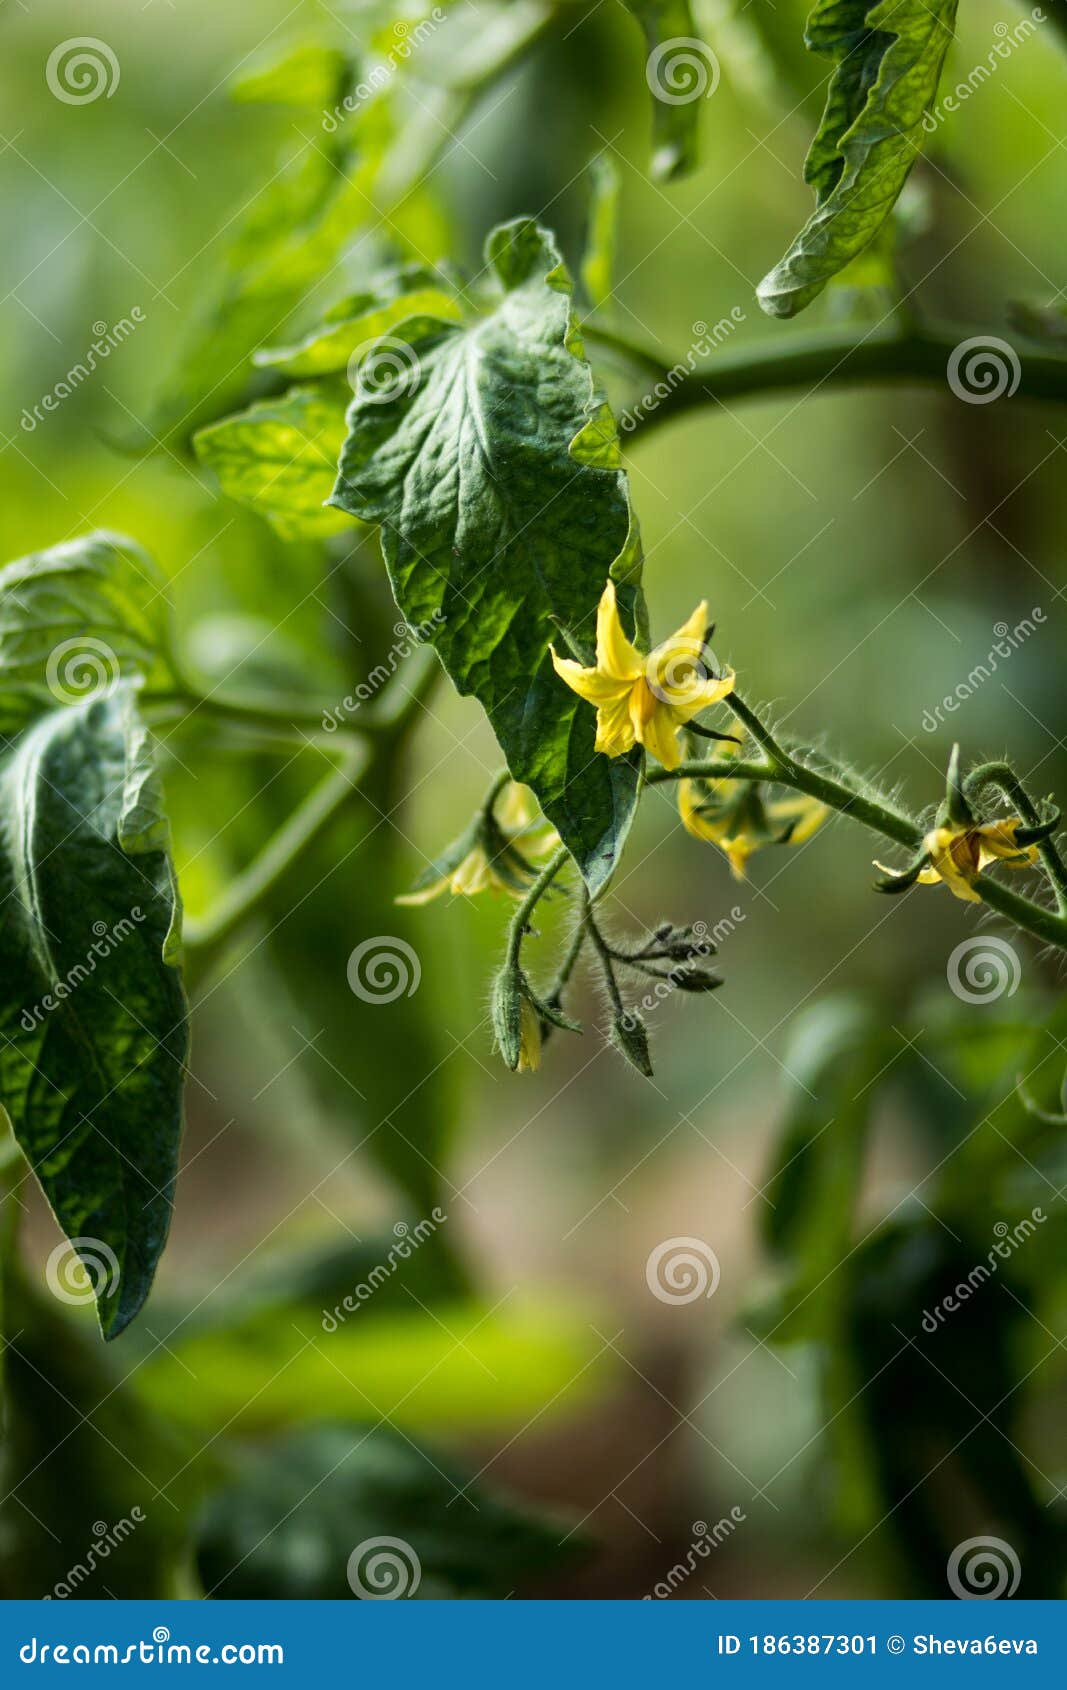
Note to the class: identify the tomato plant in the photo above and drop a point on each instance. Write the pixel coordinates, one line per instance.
(448, 447)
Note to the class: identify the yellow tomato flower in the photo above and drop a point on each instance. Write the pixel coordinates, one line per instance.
(959, 854)
(529, 1038)
(645, 700)
(733, 815)
(492, 856)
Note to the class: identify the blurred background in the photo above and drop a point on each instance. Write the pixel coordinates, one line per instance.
(862, 552)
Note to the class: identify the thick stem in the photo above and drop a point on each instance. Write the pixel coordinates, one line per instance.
(249, 890)
(900, 352)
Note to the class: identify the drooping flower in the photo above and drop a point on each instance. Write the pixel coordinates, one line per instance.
(957, 854)
(735, 816)
(645, 700)
(529, 1038)
(496, 853)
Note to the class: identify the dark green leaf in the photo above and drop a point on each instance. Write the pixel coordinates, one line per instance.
(92, 1013)
(489, 465)
(84, 1511)
(682, 72)
(341, 1511)
(280, 457)
(888, 60)
(76, 618)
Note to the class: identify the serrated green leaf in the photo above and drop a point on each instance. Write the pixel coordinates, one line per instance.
(92, 1015)
(410, 291)
(307, 74)
(682, 72)
(280, 457)
(888, 60)
(76, 618)
(346, 1511)
(496, 536)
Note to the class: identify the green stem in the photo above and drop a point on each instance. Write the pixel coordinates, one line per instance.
(520, 921)
(1011, 787)
(273, 716)
(567, 966)
(604, 952)
(899, 352)
(780, 766)
(252, 887)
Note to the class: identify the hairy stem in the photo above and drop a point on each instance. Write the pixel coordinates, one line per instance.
(780, 766)
(604, 952)
(1007, 782)
(520, 921)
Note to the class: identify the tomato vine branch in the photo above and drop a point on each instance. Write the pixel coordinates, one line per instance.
(903, 352)
(786, 769)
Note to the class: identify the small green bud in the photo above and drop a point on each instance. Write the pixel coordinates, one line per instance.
(957, 809)
(505, 1008)
(628, 1035)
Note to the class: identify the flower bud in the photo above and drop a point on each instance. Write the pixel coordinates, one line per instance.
(628, 1035)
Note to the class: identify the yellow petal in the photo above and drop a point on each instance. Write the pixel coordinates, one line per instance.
(472, 875)
(692, 630)
(515, 807)
(738, 851)
(997, 840)
(808, 812)
(614, 729)
(425, 894)
(590, 684)
(529, 1038)
(700, 694)
(659, 735)
(926, 876)
(954, 856)
(616, 658)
